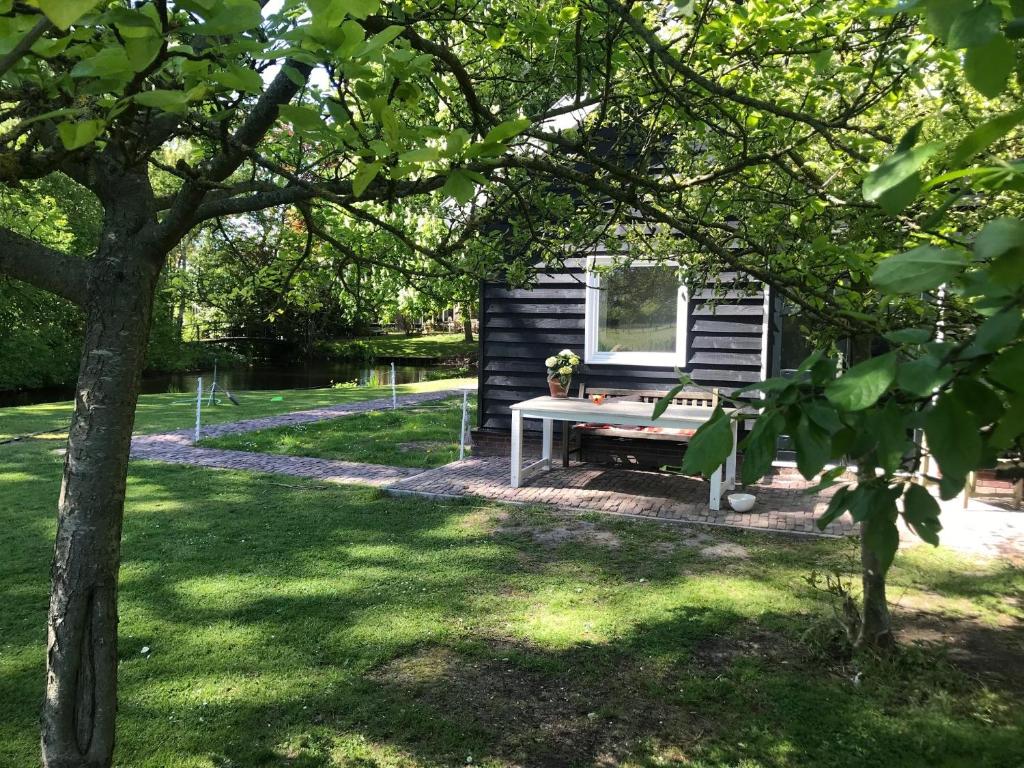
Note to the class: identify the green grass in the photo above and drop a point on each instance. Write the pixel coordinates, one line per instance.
(426, 435)
(165, 412)
(297, 624)
(442, 346)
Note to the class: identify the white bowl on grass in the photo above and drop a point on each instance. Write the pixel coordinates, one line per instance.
(741, 502)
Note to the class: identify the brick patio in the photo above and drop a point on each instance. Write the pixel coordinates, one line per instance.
(781, 505)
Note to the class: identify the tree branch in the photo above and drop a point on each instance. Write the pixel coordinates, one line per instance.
(36, 264)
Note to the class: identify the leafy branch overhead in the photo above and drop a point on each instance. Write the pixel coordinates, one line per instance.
(942, 393)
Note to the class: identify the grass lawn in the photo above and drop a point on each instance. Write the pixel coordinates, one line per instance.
(444, 346)
(291, 623)
(426, 435)
(165, 412)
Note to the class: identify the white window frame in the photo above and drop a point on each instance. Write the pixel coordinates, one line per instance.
(591, 354)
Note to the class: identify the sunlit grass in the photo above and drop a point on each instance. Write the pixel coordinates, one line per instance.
(425, 435)
(270, 624)
(171, 411)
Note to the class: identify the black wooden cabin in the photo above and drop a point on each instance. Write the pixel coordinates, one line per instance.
(725, 337)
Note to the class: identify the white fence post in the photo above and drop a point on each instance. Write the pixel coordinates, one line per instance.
(465, 424)
(394, 391)
(199, 406)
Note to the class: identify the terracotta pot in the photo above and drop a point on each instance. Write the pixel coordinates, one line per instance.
(558, 389)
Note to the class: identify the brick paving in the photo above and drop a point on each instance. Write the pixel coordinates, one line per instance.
(987, 527)
(781, 503)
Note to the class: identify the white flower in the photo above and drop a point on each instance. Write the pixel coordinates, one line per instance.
(551, 362)
(566, 352)
(565, 370)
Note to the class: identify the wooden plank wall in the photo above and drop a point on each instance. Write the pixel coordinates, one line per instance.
(520, 327)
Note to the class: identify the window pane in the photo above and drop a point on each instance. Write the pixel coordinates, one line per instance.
(637, 310)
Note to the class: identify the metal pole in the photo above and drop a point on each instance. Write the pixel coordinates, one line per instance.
(394, 392)
(213, 389)
(465, 421)
(199, 406)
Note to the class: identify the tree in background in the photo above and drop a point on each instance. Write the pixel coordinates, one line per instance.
(948, 304)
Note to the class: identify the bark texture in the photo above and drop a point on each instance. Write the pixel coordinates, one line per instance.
(876, 625)
(81, 676)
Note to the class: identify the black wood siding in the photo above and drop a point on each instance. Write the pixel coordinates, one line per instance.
(521, 327)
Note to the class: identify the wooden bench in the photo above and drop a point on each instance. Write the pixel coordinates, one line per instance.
(698, 398)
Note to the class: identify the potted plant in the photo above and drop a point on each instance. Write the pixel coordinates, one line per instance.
(561, 367)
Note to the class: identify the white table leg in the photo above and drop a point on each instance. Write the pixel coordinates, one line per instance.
(549, 430)
(517, 448)
(730, 462)
(715, 502)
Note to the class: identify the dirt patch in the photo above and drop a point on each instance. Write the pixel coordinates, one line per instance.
(533, 712)
(423, 445)
(572, 531)
(726, 549)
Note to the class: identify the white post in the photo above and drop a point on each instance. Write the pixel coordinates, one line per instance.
(517, 447)
(199, 406)
(394, 392)
(462, 430)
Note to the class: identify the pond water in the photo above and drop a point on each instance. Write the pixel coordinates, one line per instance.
(298, 376)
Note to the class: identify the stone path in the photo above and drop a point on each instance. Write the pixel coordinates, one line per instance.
(177, 448)
(987, 527)
(781, 503)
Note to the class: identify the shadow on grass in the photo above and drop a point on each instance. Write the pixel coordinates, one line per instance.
(291, 624)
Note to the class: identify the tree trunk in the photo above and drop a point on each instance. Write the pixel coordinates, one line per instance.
(876, 627)
(467, 328)
(81, 676)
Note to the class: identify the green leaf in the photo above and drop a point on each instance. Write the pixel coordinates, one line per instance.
(988, 67)
(922, 376)
(664, 402)
(909, 336)
(365, 173)
(239, 79)
(895, 182)
(168, 101)
(78, 134)
(506, 130)
(954, 441)
(64, 13)
(141, 51)
(455, 141)
(838, 504)
(359, 9)
(709, 446)
(759, 447)
(303, 118)
(997, 331)
(812, 447)
(111, 61)
(229, 17)
(421, 155)
(921, 511)
(378, 41)
(862, 385)
(986, 134)
(459, 185)
(975, 27)
(1010, 426)
(999, 236)
(921, 269)
(1007, 369)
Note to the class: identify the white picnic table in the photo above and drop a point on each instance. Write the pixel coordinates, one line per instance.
(615, 412)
